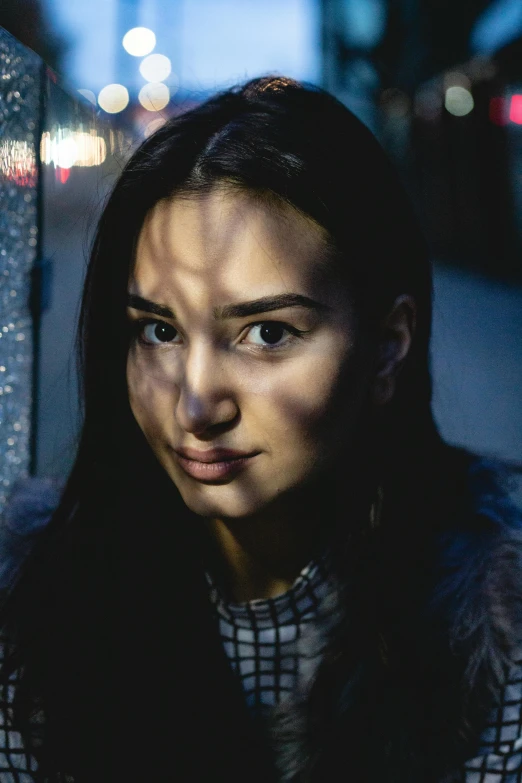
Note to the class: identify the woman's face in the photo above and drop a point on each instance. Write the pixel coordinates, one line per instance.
(241, 368)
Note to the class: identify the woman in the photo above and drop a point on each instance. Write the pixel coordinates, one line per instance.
(266, 564)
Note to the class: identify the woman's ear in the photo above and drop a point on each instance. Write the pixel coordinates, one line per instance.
(395, 341)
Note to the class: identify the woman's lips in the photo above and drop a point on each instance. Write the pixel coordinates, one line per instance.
(213, 465)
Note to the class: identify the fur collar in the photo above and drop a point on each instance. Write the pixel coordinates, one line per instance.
(409, 712)
(419, 717)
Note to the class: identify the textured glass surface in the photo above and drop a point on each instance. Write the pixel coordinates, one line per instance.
(58, 159)
(19, 121)
(81, 153)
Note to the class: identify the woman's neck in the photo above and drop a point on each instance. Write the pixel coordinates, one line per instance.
(261, 556)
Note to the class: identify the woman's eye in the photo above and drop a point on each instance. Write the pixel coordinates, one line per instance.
(271, 333)
(158, 332)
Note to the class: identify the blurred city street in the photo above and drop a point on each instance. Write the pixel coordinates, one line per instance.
(449, 116)
(477, 362)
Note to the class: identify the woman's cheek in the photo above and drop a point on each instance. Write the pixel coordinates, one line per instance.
(149, 402)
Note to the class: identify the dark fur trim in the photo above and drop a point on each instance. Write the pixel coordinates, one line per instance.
(419, 716)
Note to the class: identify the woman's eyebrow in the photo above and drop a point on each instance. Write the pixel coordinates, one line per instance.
(240, 310)
(266, 304)
(139, 303)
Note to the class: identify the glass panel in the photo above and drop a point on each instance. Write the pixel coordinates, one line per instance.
(81, 156)
(20, 78)
(58, 161)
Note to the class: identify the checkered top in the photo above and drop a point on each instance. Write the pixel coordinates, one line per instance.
(261, 637)
(261, 641)
(16, 766)
(500, 752)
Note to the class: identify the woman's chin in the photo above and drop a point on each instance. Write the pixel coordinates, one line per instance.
(220, 502)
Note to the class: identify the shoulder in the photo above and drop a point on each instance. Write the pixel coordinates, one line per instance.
(486, 543)
(480, 594)
(479, 565)
(496, 490)
(498, 757)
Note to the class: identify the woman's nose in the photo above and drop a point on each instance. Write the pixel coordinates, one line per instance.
(206, 396)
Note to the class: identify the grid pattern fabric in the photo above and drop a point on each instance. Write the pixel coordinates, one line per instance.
(499, 759)
(16, 766)
(260, 637)
(500, 754)
(267, 660)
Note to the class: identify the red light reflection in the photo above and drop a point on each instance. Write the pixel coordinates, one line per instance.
(515, 109)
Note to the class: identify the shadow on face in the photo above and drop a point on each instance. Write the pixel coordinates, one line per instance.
(242, 340)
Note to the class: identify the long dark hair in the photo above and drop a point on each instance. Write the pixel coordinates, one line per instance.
(110, 619)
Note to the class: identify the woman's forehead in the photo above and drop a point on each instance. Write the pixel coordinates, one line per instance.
(227, 239)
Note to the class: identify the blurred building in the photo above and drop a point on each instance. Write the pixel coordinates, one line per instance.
(441, 84)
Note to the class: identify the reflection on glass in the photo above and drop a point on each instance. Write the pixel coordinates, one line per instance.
(66, 148)
(18, 162)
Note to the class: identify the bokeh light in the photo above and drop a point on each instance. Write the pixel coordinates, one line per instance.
(139, 41)
(458, 101)
(18, 162)
(65, 153)
(91, 97)
(154, 96)
(91, 149)
(154, 125)
(113, 98)
(155, 68)
(515, 109)
(67, 148)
